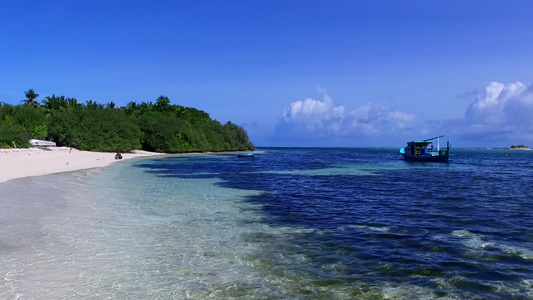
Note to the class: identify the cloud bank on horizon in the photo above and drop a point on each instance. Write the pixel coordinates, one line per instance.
(501, 114)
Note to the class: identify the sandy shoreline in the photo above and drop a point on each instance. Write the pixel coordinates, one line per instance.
(19, 163)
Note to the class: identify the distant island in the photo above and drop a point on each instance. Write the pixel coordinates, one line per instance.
(520, 147)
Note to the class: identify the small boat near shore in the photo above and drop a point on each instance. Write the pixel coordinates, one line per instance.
(426, 150)
(251, 154)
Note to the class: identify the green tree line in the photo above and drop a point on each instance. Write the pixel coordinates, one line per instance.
(159, 126)
(518, 146)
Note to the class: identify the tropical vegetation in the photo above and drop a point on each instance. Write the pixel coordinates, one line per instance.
(159, 126)
(518, 146)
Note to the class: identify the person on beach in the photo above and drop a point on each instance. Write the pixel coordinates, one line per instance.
(118, 156)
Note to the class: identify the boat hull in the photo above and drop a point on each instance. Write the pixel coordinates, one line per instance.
(245, 154)
(423, 150)
(426, 158)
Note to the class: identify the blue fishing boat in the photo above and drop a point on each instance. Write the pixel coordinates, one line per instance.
(250, 154)
(426, 150)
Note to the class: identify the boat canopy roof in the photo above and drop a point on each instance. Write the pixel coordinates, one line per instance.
(426, 141)
(420, 142)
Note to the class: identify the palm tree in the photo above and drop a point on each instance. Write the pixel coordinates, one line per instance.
(132, 105)
(31, 96)
(72, 102)
(93, 105)
(162, 103)
(55, 103)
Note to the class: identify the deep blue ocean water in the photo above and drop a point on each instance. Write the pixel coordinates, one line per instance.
(289, 223)
(366, 221)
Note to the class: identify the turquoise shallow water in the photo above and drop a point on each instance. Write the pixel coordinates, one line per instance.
(286, 224)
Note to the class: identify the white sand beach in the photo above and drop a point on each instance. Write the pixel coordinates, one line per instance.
(18, 163)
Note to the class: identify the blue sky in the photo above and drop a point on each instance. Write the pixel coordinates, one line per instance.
(292, 73)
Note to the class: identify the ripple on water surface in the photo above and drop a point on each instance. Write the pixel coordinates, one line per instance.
(120, 233)
(287, 224)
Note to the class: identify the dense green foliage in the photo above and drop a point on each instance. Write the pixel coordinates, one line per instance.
(160, 127)
(13, 134)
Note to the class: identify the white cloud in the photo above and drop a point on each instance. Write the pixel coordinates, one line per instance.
(503, 112)
(311, 119)
(502, 104)
(490, 106)
(314, 115)
(499, 116)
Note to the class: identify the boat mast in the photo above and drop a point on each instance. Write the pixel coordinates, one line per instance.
(438, 141)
